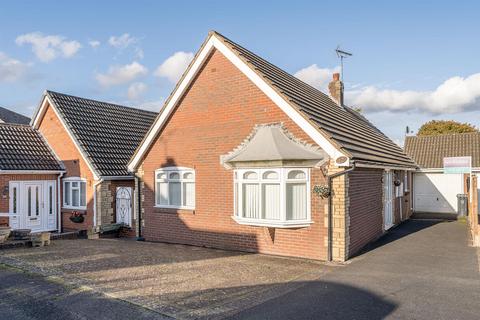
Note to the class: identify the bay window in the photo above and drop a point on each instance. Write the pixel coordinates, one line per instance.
(175, 188)
(74, 193)
(277, 197)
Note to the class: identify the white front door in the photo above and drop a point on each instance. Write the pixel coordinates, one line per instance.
(33, 205)
(124, 205)
(388, 199)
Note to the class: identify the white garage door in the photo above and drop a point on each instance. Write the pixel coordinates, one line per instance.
(437, 192)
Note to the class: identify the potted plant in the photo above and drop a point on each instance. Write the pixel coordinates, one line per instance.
(4, 233)
(77, 217)
(323, 191)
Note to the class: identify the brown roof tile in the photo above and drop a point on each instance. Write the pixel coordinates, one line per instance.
(429, 151)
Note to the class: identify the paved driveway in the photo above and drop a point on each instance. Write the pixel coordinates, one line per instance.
(174, 280)
(420, 270)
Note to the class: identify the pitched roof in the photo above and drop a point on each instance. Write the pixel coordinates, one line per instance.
(429, 151)
(343, 128)
(346, 127)
(107, 133)
(8, 116)
(23, 148)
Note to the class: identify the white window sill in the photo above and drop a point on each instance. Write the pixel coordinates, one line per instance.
(174, 207)
(273, 224)
(74, 208)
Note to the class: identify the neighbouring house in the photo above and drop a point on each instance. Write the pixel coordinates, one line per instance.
(8, 116)
(29, 179)
(94, 140)
(243, 156)
(436, 191)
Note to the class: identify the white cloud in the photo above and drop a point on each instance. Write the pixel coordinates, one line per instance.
(138, 53)
(316, 77)
(152, 105)
(455, 95)
(49, 47)
(11, 69)
(94, 43)
(174, 66)
(117, 75)
(122, 42)
(136, 89)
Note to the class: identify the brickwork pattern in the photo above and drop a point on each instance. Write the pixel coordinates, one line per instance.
(217, 113)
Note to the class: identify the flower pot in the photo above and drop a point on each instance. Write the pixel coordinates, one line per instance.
(77, 219)
(4, 233)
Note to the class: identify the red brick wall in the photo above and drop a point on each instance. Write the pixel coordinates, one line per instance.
(365, 207)
(217, 113)
(4, 194)
(59, 140)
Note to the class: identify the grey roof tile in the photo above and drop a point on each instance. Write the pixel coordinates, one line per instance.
(108, 133)
(8, 116)
(352, 132)
(23, 148)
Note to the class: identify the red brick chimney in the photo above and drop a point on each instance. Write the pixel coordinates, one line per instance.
(336, 89)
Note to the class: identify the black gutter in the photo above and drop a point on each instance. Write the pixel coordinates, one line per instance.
(330, 213)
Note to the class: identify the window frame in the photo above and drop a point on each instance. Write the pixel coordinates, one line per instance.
(283, 181)
(71, 180)
(182, 180)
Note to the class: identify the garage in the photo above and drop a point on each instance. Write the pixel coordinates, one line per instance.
(436, 192)
(436, 184)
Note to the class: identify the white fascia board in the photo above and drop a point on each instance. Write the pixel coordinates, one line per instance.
(36, 123)
(214, 42)
(440, 170)
(31, 171)
(386, 167)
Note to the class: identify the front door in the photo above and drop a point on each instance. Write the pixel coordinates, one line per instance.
(124, 205)
(388, 199)
(33, 205)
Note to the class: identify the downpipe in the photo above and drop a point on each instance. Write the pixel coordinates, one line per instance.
(330, 212)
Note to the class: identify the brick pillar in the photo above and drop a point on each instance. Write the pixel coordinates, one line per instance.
(341, 221)
(141, 213)
(104, 204)
(473, 211)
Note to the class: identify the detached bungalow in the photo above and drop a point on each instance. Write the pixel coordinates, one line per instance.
(29, 179)
(94, 140)
(245, 156)
(435, 191)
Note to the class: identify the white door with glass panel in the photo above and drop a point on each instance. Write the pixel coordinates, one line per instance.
(388, 199)
(33, 205)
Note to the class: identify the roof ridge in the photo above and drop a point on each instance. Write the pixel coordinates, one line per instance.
(274, 65)
(444, 135)
(94, 100)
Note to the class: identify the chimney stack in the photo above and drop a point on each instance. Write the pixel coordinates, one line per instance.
(336, 89)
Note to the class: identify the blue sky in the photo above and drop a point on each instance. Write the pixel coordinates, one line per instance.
(413, 60)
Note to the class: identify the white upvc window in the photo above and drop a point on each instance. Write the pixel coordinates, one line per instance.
(175, 188)
(75, 193)
(276, 197)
